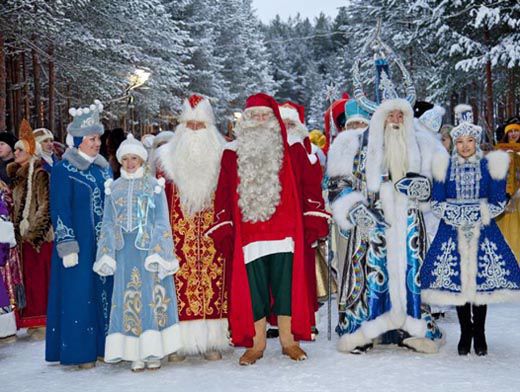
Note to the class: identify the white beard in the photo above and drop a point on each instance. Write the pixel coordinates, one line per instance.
(192, 160)
(260, 156)
(396, 151)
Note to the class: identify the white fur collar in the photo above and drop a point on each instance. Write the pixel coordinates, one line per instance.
(342, 152)
(498, 164)
(139, 173)
(375, 152)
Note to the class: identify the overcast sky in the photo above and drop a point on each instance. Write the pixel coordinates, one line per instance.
(267, 9)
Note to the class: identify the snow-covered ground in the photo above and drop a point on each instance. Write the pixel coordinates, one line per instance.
(389, 368)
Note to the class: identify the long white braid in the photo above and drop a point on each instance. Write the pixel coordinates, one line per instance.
(24, 224)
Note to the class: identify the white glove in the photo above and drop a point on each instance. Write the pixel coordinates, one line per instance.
(71, 260)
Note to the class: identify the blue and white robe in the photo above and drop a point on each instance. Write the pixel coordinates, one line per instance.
(136, 246)
(469, 261)
(79, 299)
(393, 255)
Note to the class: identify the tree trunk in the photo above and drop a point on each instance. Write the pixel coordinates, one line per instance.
(511, 93)
(26, 103)
(17, 101)
(3, 86)
(489, 87)
(9, 92)
(37, 88)
(52, 93)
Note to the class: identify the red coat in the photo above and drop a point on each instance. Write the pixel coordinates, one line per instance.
(230, 235)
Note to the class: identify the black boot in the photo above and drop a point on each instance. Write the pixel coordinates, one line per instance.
(466, 329)
(479, 335)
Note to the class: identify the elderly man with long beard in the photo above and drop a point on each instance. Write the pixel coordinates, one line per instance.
(259, 225)
(190, 161)
(380, 185)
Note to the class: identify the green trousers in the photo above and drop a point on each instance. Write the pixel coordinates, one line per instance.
(271, 277)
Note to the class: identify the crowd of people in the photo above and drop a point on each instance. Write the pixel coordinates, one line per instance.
(182, 243)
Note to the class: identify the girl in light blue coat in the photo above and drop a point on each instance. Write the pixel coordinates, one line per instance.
(136, 246)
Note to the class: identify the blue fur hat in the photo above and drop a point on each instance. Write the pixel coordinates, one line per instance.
(86, 121)
(354, 112)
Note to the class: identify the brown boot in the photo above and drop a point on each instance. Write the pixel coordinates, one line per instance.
(88, 365)
(295, 353)
(176, 357)
(212, 356)
(250, 357)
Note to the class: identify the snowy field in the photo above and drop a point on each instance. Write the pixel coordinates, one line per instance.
(389, 368)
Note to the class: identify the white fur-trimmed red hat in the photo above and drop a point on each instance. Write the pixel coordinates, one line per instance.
(197, 108)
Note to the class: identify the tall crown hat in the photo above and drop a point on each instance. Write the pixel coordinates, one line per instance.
(463, 113)
(26, 141)
(131, 146)
(197, 108)
(431, 120)
(384, 87)
(354, 112)
(86, 120)
(467, 129)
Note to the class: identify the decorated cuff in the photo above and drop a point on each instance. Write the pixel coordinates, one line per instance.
(155, 263)
(105, 266)
(66, 248)
(341, 208)
(7, 234)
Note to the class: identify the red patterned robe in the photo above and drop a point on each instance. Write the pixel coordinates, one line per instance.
(200, 281)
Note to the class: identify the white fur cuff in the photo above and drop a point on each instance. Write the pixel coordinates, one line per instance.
(342, 206)
(105, 266)
(155, 263)
(7, 234)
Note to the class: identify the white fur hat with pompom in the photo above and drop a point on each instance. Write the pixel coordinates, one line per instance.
(131, 146)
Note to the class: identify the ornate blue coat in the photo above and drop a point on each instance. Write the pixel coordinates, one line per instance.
(469, 260)
(79, 299)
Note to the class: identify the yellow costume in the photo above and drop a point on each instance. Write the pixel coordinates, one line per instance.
(509, 222)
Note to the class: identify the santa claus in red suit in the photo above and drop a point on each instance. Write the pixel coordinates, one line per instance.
(190, 161)
(308, 174)
(259, 227)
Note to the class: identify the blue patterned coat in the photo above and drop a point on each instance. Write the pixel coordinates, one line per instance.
(469, 260)
(79, 299)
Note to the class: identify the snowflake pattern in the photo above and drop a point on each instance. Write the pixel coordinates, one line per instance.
(492, 269)
(445, 267)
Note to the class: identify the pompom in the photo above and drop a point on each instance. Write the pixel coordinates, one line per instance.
(73, 112)
(161, 181)
(130, 136)
(79, 112)
(93, 107)
(86, 110)
(157, 189)
(108, 183)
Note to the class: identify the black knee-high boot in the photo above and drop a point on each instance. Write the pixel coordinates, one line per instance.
(466, 329)
(479, 335)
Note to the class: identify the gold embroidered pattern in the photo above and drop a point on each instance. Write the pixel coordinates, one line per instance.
(133, 304)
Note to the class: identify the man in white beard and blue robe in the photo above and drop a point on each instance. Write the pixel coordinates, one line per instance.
(379, 191)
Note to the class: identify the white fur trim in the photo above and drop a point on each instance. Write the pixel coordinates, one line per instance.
(107, 262)
(232, 146)
(202, 112)
(485, 214)
(155, 263)
(151, 344)
(161, 182)
(375, 152)
(202, 336)
(349, 342)
(342, 206)
(429, 147)
(289, 113)
(257, 249)
(7, 324)
(216, 227)
(108, 184)
(342, 153)
(136, 148)
(440, 163)
(498, 164)
(424, 345)
(7, 233)
(462, 107)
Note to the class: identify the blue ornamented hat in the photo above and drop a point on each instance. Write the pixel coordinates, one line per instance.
(354, 112)
(86, 121)
(463, 113)
(431, 120)
(466, 129)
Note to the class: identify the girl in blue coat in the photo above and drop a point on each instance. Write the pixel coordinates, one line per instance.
(469, 264)
(136, 247)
